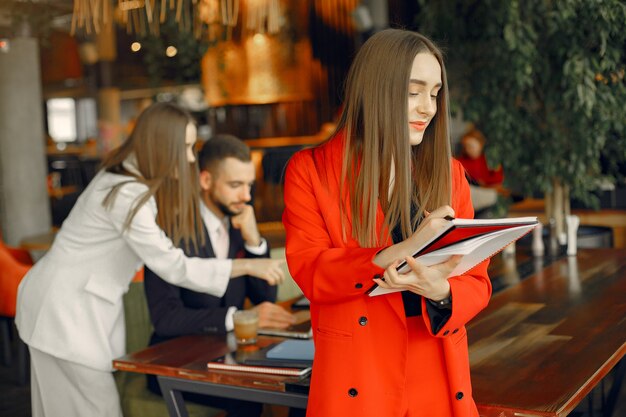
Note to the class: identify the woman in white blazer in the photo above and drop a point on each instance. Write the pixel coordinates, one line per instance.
(69, 306)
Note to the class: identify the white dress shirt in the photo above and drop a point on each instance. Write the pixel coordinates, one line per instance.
(218, 230)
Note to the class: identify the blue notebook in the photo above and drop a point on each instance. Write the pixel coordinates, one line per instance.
(293, 350)
(288, 354)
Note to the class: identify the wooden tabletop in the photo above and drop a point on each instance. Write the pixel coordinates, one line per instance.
(537, 350)
(41, 241)
(543, 344)
(60, 192)
(187, 357)
(275, 142)
(613, 218)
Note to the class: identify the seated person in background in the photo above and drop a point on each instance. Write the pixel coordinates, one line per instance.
(226, 177)
(485, 183)
(473, 160)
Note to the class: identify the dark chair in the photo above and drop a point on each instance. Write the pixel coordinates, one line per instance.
(274, 163)
(268, 193)
(69, 167)
(89, 169)
(12, 270)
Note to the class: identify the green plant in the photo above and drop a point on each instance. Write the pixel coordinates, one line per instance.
(544, 80)
(185, 65)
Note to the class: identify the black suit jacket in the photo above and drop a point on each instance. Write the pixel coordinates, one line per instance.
(176, 311)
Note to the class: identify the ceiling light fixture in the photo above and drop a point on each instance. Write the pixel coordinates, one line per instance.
(217, 18)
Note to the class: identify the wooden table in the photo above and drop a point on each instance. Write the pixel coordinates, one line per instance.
(613, 218)
(40, 242)
(275, 142)
(539, 348)
(542, 345)
(60, 192)
(273, 232)
(181, 366)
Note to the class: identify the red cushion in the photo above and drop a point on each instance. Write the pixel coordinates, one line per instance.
(21, 255)
(138, 276)
(11, 273)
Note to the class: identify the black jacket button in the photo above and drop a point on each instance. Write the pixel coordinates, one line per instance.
(359, 285)
(378, 276)
(459, 395)
(455, 331)
(353, 392)
(363, 321)
(446, 332)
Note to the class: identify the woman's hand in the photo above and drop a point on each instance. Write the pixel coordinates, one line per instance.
(427, 281)
(432, 224)
(270, 270)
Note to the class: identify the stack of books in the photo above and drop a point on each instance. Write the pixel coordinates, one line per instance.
(289, 358)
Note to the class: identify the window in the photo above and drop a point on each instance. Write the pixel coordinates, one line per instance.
(62, 119)
(71, 119)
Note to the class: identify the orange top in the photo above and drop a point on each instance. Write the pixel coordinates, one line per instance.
(11, 273)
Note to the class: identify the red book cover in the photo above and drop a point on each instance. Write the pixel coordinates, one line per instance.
(474, 239)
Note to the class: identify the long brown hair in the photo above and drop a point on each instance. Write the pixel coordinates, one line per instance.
(376, 127)
(158, 145)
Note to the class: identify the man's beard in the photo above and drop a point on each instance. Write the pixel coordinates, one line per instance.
(224, 208)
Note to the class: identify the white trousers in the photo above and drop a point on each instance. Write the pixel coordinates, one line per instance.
(60, 388)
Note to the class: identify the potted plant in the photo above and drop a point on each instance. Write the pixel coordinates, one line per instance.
(544, 80)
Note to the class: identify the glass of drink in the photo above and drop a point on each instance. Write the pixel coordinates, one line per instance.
(246, 326)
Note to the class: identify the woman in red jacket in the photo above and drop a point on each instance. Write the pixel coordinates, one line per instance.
(354, 207)
(475, 163)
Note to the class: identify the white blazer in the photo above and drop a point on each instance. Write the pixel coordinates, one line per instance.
(69, 305)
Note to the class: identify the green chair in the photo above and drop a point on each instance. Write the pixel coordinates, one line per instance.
(288, 289)
(135, 398)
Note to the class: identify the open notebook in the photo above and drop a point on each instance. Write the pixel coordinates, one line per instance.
(475, 239)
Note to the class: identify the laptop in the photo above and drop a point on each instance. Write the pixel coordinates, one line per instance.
(300, 330)
(302, 304)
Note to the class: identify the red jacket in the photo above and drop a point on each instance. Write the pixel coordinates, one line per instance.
(369, 360)
(479, 171)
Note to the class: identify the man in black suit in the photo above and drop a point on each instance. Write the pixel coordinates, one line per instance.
(232, 237)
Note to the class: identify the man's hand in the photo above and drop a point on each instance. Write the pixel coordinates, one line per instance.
(274, 316)
(246, 223)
